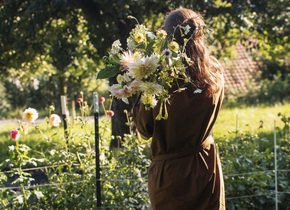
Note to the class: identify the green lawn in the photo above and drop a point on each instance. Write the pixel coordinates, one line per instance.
(249, 120)
(38, 142)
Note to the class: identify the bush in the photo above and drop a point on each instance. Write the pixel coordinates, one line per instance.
(265, 91)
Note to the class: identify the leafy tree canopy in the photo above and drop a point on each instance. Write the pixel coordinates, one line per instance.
(33, 29)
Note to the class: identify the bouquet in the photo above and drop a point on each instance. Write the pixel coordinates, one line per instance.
(151, 64)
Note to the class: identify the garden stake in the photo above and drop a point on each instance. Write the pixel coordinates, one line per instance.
(64, 117)
(275, 154)
(96, 115)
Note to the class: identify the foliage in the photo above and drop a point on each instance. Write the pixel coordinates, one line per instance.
(265, 91)
(66, 39)
(249, 170)
(247, 160)
(125, 175)
(70, 169)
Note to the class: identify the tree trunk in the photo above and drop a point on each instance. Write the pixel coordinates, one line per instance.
(71, 96)
(51, 91)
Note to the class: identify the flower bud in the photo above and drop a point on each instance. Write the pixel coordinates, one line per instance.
(79, 100)
(15, 134)
(54, 120)
(111, 113)
(51, 107)
(102, 100)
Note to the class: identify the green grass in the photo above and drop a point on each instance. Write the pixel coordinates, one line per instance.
(39, 143)
(249, 120)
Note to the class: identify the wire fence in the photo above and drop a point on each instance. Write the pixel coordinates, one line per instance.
(145, 180)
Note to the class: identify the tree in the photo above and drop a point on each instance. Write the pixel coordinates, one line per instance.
(41, 30)
(53, 32)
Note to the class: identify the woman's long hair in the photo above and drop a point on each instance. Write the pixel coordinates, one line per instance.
(205, 68)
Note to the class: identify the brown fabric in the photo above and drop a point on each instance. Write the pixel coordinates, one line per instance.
(192, 181)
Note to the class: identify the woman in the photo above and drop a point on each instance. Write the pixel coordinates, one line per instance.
(186, 172)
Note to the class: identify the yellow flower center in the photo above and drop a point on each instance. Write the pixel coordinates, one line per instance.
(161, 34)
(173, 46)
(28, 114)
(136, 55)
(139, 37)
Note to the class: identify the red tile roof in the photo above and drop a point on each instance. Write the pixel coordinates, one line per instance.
(239, 69)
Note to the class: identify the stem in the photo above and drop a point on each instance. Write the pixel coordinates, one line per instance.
(165, 110)
(104, 109)
(111, 101)
(20, 174)
(24, 196)
(40, 132)
(81, 108)
(132, 17)
(128, 122)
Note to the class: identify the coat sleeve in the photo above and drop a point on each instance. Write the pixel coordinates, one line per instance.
(143, 120)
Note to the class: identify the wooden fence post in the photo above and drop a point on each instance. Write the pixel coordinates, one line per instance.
(65, 118)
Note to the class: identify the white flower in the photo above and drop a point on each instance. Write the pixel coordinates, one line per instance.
(148, 100)
(186, 29)
(151, 88)
(11, 148)
(126, 91)
(38, 194)
(52, 152)
(143, 67)
(137, 173)
(127, 58)
(197, 91)
(20, 198)
(167, 53)
(30, 115)
(54, 120)
(131, 45)
(116, 47)
(102, 157)
(151, 35)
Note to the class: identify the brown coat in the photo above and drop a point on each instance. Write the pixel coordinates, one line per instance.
(186, 170)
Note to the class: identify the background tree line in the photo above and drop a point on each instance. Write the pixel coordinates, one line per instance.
(50, 48)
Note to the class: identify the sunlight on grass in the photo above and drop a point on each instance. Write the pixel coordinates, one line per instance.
(249, 120)
(53, 137)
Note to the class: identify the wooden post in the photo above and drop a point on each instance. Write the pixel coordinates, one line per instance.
(64, 118)
(96, 117)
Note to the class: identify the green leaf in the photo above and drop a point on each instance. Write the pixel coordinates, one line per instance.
(108, 71)
(241, 188)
